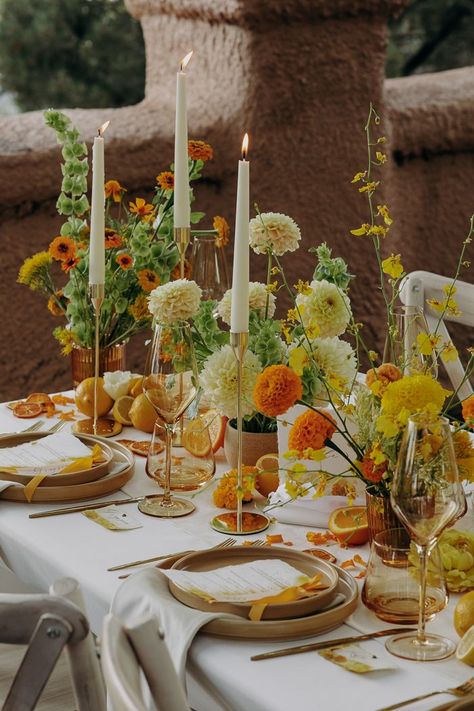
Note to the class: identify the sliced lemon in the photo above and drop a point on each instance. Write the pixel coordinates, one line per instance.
(465, 650)
(121, 409)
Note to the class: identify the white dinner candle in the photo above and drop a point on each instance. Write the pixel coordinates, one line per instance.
(97, 233)
(239, 315)
(182, 209)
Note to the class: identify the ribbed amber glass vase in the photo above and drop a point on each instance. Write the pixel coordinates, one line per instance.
(82, 361)
(380, 515)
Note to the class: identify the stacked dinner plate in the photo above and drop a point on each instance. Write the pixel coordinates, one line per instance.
(108, 473)
(322, 611)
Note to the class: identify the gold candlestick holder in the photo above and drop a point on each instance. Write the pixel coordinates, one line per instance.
(99, 426)
(182, 237)
(239, 522)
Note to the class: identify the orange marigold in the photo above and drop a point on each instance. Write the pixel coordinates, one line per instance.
(124, 260)
(199, 150)
(114, 190)
(148, 280)
(112, 239)
(276, 390)
(62, 248)
(311, 430)
(165, 180)
(468, 410)
(372, 472)
(225, 493)
(223, 231)
(377, 379)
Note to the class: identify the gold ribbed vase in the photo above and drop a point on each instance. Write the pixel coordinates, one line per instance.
(380, 514)
(82, 361)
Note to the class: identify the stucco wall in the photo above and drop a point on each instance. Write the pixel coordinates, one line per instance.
(299, 77)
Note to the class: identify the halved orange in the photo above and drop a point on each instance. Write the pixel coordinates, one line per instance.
(216, 425)
(27, 409)
(267, 479)
(349, 525)
(196, 438)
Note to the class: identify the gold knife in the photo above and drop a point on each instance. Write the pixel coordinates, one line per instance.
(86, 507)
(330, 643)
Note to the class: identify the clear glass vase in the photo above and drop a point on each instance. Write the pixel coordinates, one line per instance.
(209, 266)
(403, 345)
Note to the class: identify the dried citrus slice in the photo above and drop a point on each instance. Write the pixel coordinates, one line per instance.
(27, 409)
(121, 409)
(321, 553)
(196, 438)
(349, 525)
(216, 425)
(41, 398)
(140, 448)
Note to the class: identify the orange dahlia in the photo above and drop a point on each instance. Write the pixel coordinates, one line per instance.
(199, 150)
(68, 264)
(468, 410)
(165, 180)
(112, 239)
(62, 248)
(223, 231)
(276, 390)
(311, 430)
(124, 260)
(148, 280)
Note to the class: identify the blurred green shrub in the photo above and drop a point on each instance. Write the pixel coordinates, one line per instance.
(74, 53)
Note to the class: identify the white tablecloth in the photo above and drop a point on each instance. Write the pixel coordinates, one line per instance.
(221, 674)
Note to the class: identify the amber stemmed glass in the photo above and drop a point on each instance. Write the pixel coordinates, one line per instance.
(170, 383)
(426, 496)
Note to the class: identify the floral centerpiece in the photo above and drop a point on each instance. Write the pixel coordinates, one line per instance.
(140, 251)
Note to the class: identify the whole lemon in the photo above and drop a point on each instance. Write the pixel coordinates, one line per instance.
(84, 397)
(142, 414)
(464, 613)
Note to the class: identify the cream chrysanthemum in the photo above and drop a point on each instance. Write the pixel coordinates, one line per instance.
(326, 310)
(334, 358)
(275, 230)
(257, 300)
(175, 301)
(218, 380)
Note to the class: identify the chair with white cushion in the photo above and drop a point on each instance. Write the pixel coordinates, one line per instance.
(125, 653)
(419, 287)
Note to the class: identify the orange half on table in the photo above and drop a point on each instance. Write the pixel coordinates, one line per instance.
(349, 525)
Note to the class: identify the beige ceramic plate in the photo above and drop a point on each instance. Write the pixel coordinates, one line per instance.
(78, 492)
(83, 476)
(219, 558)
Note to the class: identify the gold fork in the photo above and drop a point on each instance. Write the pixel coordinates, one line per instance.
(461, 690)
(226, 543)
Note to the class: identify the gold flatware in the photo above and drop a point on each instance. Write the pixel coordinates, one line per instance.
(461, 690)
(32, 428)
(315, 646)
(226, 543)
(86, 507)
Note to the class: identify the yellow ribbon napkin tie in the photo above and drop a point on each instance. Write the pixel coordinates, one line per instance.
(75, 466)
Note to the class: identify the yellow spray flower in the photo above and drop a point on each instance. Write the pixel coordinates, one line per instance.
(298, 359)
(361, 231)
(382, 210)
(34, 269)
(393, 266)
(381, 157)
(427, 343)
(369, 187)
(359, 176)
(449, 352)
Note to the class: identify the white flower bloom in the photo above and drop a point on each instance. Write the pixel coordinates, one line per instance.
(257, 300)
(175, 301)
(335, 359)
(116, 383)
(326, 310)
(275, 230)
(218, 380)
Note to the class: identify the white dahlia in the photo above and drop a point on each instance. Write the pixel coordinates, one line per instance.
(336, 359)
(275, 230)
(218, 380)
(326, 310)
(175, 301)
(257, 300)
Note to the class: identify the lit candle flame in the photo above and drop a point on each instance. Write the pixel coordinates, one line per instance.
(184, 62)
(245, 146)
(103, 128)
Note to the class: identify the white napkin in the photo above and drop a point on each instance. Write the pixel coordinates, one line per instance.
(146, 593)
(305, 511)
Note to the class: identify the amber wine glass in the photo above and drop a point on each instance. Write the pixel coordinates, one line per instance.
(170, 383)
(427, 496)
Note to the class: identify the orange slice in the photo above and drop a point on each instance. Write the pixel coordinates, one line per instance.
(140, 447)
(216, 425)
(27, 409)
(349, 525)
(42, 399)
(121, 410)
(267, 479)
(196, 438)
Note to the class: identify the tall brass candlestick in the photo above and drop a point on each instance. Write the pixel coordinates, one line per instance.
(182, 236)
(256, 522)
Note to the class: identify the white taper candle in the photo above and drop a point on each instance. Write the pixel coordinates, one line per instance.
(97, 233)
(182, 210)
(239, 315)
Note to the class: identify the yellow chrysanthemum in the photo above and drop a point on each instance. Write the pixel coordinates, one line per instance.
(34, 269)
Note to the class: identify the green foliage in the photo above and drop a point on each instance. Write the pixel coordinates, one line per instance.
(332, 269)
(79, 53)
(431, 36)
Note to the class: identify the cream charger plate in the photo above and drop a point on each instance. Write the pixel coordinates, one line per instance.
(219, 558)
(81, 476)
(107, 484)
